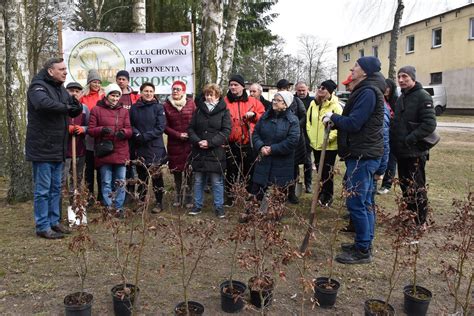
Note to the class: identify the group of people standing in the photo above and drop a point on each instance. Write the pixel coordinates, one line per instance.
(220, 140)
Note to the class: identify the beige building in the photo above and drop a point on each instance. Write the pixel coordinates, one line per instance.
(441, 48)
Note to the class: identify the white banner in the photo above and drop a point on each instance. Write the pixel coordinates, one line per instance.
(159, 58)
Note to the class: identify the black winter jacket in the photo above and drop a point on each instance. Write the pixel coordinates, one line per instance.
(148, 119)
(214, 127)
(299, 110)
(413, 120)
(366, 143)
(46, 131)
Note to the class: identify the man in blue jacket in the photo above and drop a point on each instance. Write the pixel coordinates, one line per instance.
(49, 105)
(360, 145)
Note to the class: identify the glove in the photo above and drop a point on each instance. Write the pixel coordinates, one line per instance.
(75, 108)
(71, 129)
(78, 130)
(327, 118)
(120, 134)
(139, 139)
(105, 131)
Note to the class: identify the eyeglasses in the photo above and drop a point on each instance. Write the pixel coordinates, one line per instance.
(277, 101)
(177, 89)
(322, 88)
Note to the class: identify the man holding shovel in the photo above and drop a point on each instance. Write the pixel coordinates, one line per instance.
(77, 129)
(360, 145)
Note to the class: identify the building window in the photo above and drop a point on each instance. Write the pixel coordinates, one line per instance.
(375, 51)
(347, 56)
(436, 38)
(471, 28)
(410, 44)
(436, 78)
(361, 52)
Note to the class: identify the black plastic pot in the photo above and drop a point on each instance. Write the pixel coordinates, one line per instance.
(267, 294)
(195, 309)
(416, 305)
(326, 295)
(123, 306)
(73, 308)
(232, 302)
(375, 308)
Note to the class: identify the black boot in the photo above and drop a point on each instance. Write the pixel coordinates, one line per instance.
(292, 198)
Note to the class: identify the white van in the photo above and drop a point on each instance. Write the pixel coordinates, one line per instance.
(438, 93)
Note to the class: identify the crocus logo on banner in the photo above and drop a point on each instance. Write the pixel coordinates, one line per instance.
(95, 53)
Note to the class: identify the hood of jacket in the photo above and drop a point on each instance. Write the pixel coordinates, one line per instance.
(43, 75)
(104, 103)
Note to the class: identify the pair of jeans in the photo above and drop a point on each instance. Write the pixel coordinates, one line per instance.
(390, 172)
(217, 182)
(411, 172)
(308, 165)
(359, 182)
(113, 182)
(47, 194)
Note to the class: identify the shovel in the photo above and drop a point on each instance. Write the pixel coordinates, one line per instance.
(73, 219)
(314, 201)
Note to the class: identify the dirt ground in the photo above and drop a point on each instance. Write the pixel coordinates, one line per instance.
(36, 274)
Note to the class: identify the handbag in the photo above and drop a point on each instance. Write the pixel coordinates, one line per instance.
(104, 148)
(429, 141)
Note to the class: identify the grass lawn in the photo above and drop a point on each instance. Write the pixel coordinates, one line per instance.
(36, 274)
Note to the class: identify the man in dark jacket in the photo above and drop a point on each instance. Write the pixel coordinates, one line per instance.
(49, 105)
(413, 120)
(360, 145)
(302, 92)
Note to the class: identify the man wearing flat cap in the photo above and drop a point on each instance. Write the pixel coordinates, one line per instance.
(414, 119)
(360, 145)
(245, 111)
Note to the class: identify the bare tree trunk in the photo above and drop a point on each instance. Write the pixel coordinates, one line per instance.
(16, 79)
(212, 24)
(233, 14)
(3, 112)
(392, 55)
(139, 16)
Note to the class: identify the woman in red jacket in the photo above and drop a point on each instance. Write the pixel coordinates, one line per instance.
(91, 94)
(179, 111)
(110, 122)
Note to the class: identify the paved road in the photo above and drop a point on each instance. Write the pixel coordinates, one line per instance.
(456, 127)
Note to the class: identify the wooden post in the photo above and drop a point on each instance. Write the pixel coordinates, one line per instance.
(194, 60)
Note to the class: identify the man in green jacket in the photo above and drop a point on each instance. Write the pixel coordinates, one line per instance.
(414, 119)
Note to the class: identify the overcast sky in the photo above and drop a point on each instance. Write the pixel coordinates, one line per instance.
(344, 21)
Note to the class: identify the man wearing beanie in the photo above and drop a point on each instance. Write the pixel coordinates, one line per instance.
(129, 96)
(360, 145)
(299, 110)
(245, 111)
(414, 119)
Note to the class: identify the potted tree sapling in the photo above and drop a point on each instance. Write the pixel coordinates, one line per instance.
(458, 273)
(326, 288)
(135, 226)
(80, 303)
(400, 226)
(191, 242)
(232, 291)
(268, 249)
